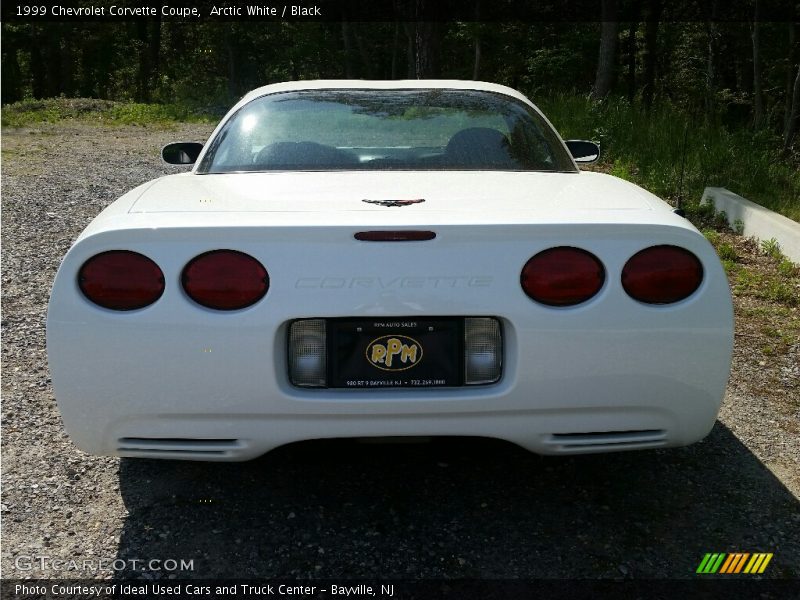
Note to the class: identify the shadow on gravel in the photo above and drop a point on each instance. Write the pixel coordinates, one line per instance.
(458, 508)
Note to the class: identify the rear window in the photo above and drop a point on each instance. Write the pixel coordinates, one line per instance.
(385, 129)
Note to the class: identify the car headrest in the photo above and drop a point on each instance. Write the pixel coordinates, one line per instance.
(478, 146)
(303, 155)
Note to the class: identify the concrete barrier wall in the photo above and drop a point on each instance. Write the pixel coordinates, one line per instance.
(758, 221)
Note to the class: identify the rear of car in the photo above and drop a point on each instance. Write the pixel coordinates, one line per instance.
(299, 288)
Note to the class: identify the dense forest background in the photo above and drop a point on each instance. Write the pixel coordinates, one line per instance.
(747, 72)
(716, 92)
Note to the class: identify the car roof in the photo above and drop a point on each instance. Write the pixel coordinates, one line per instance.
(392, 84)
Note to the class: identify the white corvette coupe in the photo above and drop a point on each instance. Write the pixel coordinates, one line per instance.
(381, 259)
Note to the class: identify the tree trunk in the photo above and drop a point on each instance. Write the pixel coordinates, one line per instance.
(67, 61)
(154, 51)
(53, 67)
(88, 83)
(409, 29)
(12, 75)
(395, 45)
(423, 40)
(426, 50)
(348, 51)
(37, 68)
(711, 60)
(794, 117)
(143, 72)
(758, 95)
(608, 47)
(650, 53)
(423, 49)
(632, 60)
(102, 62)
(230, 59)
(177, 40)
(790, 67)
(476, 65)
(366, 63)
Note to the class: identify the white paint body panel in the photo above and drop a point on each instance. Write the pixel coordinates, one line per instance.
(176, 370)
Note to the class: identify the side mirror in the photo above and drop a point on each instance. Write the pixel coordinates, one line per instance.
(181, 153)
(583, 151)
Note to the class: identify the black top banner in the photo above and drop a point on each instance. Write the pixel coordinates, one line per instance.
(401, 10)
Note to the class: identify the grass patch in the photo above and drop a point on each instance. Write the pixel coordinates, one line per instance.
(712, 236)
(727, 252)
(787, 268)
(776, 328)
(745, 162)
(776, 278)
(706, 218)
(781, 340)
(775, 288)
(730, 267)
(772, 248)
(53, 110)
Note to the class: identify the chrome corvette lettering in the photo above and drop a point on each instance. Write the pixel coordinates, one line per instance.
(395, 283)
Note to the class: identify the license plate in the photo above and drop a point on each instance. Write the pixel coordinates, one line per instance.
(395, 352)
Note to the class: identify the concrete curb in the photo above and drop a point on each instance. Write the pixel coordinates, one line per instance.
(759, 222)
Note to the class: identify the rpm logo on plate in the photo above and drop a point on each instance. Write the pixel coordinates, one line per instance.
(394, 352)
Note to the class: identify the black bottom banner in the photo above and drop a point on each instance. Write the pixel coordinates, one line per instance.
(457, 589)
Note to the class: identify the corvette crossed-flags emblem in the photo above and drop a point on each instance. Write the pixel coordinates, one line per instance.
(394, 202)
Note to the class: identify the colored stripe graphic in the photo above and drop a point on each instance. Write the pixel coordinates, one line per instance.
(703, 564)
(711, 563)
(729, 563)
(720, 562)
(734, 563)
(741, 562)
(758, 563)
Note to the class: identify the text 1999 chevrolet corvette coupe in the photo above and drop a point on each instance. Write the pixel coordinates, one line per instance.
(387, 258)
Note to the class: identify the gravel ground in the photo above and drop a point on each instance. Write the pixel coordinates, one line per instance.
(451, 508)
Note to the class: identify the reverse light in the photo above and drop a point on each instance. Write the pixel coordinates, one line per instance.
(662, 275)
(121, 280)
(562, 276)
(483, 351)
(307, 364)
(225, 280)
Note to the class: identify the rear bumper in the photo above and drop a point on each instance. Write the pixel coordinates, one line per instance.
(128, 387)
(175, 394)
(560, 389)
(225, 438)
(594, 413)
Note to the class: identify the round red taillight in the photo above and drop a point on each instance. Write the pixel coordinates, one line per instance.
(562, 276)
(662, 275)
(121, 280)
(225, 280)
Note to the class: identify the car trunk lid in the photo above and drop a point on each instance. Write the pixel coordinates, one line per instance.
(395, 197)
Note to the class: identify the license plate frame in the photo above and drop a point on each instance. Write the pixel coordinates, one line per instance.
(355, 362)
